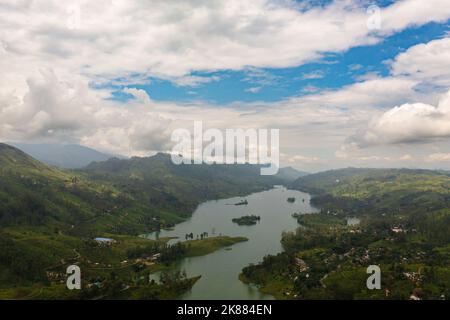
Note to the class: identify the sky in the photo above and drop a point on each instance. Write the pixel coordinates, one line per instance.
(347, 83)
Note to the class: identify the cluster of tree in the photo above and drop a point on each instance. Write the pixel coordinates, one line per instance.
(145, 251)
(167, 253)
(246, 220)
(172, 253)
(23, 262)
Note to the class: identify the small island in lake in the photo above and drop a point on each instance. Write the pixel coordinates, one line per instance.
(247, 220)
(242, 203)
(291, 199)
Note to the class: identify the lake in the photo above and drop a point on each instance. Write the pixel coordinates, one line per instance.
(220, 269)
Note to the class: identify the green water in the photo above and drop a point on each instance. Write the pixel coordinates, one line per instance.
(220, 270)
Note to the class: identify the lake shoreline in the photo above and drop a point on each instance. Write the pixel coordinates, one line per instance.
(221, 268)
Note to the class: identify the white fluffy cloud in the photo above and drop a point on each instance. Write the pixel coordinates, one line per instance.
(53, 111)
(50, 108)
(413, 13)
(378, 92)
(139, 94)
(438, 157)
(425, 62)
(303, 159)
(410, 122)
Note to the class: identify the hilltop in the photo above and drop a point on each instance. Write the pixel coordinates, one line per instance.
(290, 173)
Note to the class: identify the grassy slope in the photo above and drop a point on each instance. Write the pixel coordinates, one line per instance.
(208, 245)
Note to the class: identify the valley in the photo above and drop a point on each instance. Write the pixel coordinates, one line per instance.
(50, 217)
(403, 227)
(143, 228)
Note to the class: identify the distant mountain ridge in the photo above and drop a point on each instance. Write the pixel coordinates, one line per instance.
(69, 156)
(331, 179)
(290, 173)
(155, 178)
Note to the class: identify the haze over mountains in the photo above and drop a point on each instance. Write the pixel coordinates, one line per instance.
(70, 156)
(290, 173)
(73, 156)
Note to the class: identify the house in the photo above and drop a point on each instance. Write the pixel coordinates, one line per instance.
(55, 276)
(155, 257)
(105, 241)
(397, 230)
(412, 276)
(301, 264)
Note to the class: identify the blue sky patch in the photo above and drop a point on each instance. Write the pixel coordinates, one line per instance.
(333, 71)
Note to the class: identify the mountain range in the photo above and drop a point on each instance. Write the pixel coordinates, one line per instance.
(70, 156)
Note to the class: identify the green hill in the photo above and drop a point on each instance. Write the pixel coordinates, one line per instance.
(118, 195)
(379, 190)
(35, 194)
(48, 216)
(404, 228)
(156, 181)
(360, 182)
(290, 174)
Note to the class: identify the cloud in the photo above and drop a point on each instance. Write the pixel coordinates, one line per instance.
(425, 62)
(260, 78)
(421, 66)
(438, 157)
(351, 153)
(407, 123)
(253, 89)
(303, 159)
(55, 111)
(355, 67)
(376, 92)
(310, 89)
(48, 110)
(139, 94)
(193, 81)
(170, 39)
(313, 75)
(405, 14)
(406, 157)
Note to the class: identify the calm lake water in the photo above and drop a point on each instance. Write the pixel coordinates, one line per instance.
(220, 269)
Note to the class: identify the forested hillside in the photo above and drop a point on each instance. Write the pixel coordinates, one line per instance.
(49, 217)
(404, 228)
